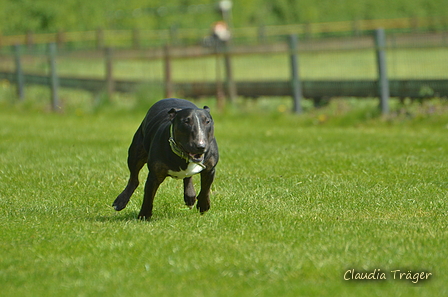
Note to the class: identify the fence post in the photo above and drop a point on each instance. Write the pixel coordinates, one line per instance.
(231, 86)
(173, 35)
(99, 38)
(220, 99)
(54, 80)
(262, 34)
(110, 88)
(356, 28)
(383, 82)
(60, 39)
(29, 39)
(19, 73)
(167, 73)
(296, 84)
(414, 24)
(136, 39)
(308, 30)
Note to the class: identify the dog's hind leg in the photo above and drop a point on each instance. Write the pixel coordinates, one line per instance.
(137, 157)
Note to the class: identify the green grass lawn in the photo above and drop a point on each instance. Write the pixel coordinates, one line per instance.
(294, 206)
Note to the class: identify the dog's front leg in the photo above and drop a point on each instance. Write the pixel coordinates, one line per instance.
(151, 186)
(189, 192)
(207, 178)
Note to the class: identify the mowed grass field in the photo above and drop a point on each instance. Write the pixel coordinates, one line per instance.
(295, 205)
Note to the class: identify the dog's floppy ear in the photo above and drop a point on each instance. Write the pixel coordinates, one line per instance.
(207, 108)
(173, 112)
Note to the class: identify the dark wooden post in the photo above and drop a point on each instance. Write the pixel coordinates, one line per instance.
(19, 73)
(296, 85)
(136, 39)
(173, 35)
(99, 39)
(308, 30)
(167, 73)
(262, 34)
(414, 24)
(60, 39)
(110, 88)
(356, 28)
(383, 82)
(29, 39)
(54, 80)
(220, 98)
(231, 86)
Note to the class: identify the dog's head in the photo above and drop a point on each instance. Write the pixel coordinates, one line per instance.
(192, 131)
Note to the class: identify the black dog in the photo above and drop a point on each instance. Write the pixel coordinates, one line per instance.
(175, 139)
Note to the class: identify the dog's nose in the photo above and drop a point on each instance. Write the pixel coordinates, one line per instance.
(200, 146)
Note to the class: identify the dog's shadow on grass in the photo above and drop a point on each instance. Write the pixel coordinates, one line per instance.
(117, 217)
(132, 216)
(165, 212)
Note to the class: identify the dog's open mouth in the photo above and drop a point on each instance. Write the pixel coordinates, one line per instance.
(197, 158)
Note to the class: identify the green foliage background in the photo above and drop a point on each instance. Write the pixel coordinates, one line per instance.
(19, 16)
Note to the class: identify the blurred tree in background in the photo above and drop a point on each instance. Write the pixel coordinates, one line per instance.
(40, 16)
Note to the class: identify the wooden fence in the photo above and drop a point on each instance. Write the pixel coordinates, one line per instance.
(295, 87)
(139, 38)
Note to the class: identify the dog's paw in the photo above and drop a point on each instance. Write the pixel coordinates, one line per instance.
(190, 204)
(118, 207)
(203, 207)
(144, 217)
(190, 201)
(120, 203)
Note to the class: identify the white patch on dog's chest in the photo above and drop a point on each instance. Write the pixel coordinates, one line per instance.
(192, 169)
